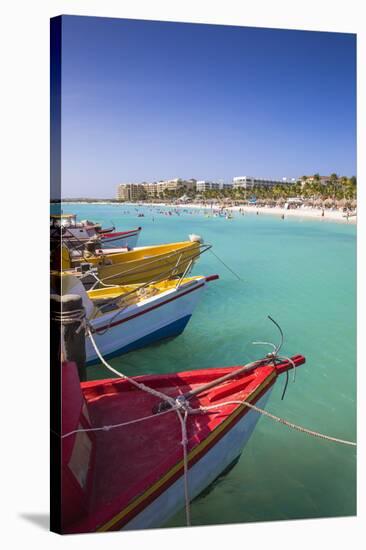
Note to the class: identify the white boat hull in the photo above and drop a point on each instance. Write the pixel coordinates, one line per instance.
(148, 321)
(201, 474)
(126, 240)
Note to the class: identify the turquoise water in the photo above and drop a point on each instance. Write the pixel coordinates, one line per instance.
(302, 273)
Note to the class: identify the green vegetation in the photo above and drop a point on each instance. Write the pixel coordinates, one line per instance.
(336, 189)
(312, 189)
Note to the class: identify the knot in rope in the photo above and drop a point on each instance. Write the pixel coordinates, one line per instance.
(181, 403)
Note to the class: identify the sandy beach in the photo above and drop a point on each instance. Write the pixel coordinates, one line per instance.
(328, 214)
(313, 213)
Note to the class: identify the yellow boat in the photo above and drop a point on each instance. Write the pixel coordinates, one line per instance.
(147, 263)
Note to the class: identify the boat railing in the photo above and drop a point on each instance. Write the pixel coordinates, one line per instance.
(187, 270)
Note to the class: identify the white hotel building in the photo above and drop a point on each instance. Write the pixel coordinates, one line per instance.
(247, 182)
(204, 185)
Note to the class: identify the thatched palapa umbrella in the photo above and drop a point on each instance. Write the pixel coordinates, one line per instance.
(270, 202)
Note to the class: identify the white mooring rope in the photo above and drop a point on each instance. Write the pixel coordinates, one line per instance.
(283, 421)
(175, 405)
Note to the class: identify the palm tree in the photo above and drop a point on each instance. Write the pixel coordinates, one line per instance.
(334, 181)
(344, 185)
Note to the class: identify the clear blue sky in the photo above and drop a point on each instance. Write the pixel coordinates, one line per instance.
(143, 101)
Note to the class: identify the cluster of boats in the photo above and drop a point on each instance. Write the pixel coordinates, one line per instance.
(132, 296)
(122, 460)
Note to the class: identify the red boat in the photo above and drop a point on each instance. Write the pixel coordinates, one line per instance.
(120, 239)
(128, 473)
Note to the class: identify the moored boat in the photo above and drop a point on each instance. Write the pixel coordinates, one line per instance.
(123, 466)
(70, 227)
(77, 234)
(128, 317)
(123, 239)
(147, 263)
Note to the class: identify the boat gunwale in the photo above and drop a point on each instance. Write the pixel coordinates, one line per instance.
(176, 292)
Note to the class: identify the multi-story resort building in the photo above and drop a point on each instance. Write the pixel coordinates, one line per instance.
(136, 191)
(129, 191)
(150, 188)
(248, 182)
(323, 180)
(176, 184)
(204, 185)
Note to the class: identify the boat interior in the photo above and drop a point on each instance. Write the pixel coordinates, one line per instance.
(100, 301)
(108, 299)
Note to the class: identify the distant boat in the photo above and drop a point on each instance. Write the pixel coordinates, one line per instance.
(132, 477)
(124, 318)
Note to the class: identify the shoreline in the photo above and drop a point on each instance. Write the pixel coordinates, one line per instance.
(305, 212)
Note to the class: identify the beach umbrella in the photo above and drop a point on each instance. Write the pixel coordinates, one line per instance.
(341, 203)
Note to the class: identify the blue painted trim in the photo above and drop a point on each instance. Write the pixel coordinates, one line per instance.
(175, 328)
